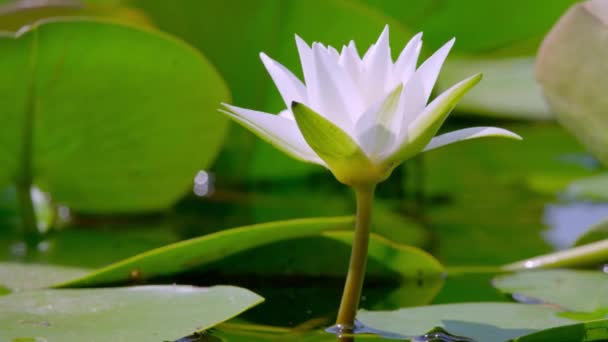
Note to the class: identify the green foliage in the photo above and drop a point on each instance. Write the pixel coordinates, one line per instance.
(101, 130)
(188, 254)
(145, 313)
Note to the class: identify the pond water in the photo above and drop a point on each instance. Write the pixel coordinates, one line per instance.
(475, 206)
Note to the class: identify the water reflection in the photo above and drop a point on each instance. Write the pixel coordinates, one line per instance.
(569, 221)
(203, 184)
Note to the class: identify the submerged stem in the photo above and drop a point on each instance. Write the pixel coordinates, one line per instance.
(358, 259)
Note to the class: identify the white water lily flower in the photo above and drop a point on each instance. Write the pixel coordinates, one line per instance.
(360, 117)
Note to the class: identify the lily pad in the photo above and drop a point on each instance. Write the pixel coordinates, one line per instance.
(508, 89)
(573, 73)
(483, 322)
(101, 130)
(146, 313)
(197, 252)
(17, 276)
(571, 290)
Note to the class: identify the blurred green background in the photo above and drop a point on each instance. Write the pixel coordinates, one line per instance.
(114, 121)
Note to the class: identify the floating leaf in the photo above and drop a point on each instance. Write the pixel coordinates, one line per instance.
(571, 290)
(197, 252)
(483, 322)
(101, 130)
(145, 313)
(18, 276)
(573, 73)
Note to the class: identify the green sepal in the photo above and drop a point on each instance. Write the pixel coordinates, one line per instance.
(339, 151)
(423, 129)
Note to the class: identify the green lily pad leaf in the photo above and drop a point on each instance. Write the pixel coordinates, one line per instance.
(144, 313)
(150, 120)
(508, 90)
(574, 75)
(571, 290)
(17, 276)
(587, 331)
(596, 233)
(192, 253)
(593, 188)
(483, 322)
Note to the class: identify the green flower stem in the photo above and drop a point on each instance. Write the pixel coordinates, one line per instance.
(358, 259)
(589, 254)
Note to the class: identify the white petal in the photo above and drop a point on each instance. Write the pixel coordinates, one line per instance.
(333, 95)
(279, 131)
(374, 128)
(377, 63)
(287, 114)
(406, 62)
(306, 60)
(469, 133)
(351, 64)
(417, 135)
(412, 103)
(429, 70)
(290, 87)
